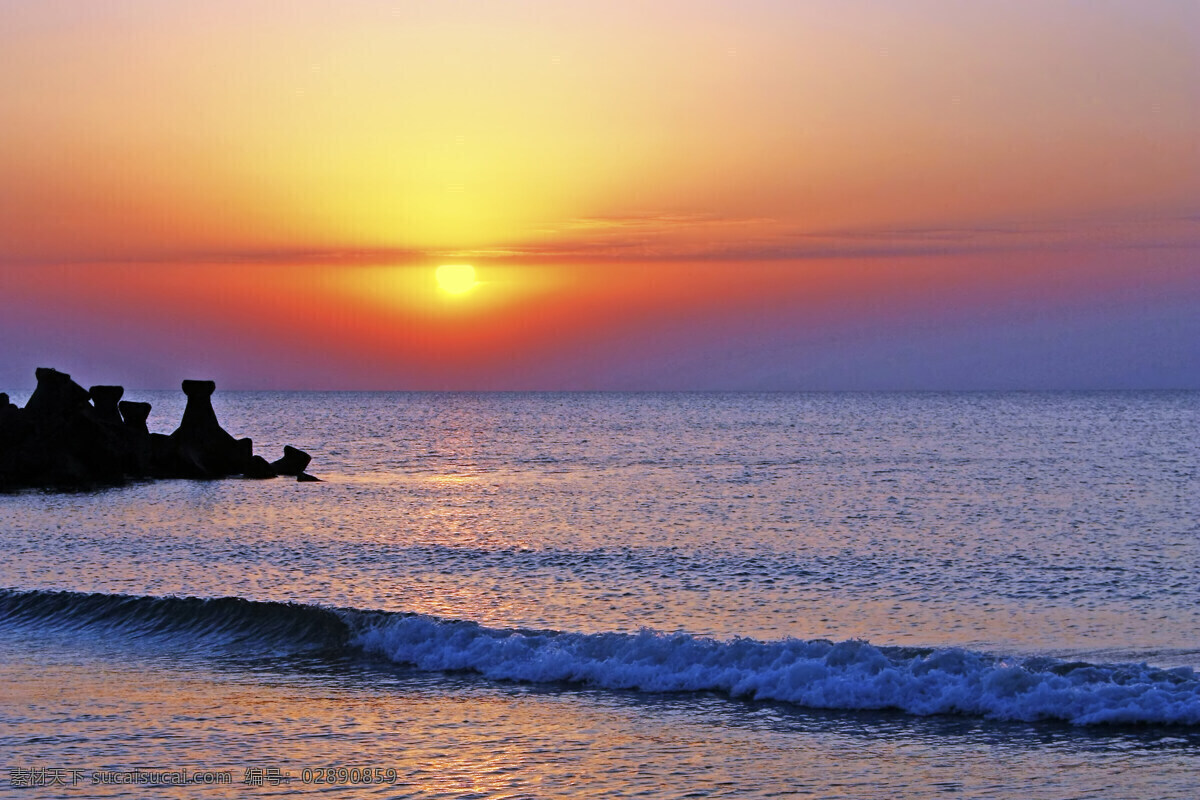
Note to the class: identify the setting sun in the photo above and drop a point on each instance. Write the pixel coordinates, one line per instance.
(456, 278)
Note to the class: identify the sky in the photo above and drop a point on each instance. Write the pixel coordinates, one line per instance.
(654, 195)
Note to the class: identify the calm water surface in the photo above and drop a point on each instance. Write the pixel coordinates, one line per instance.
(630, 595)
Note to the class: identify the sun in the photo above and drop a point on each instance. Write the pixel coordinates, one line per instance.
(456, 278)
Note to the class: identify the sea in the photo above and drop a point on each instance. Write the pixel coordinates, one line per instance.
(623, 595)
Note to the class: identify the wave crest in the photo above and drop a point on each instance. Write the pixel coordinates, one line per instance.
(816, 674)
(853, 674)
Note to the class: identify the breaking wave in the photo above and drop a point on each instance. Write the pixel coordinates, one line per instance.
(851, 674)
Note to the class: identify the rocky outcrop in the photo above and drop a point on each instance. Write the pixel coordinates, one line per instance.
(104, 402)
(201, 447)
(69, 437)
(294, 461)
(141, 458)
(56, 397)
(134, 415)
(8, 410)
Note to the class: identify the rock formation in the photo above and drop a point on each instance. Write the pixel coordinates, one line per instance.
(134, 415)
(141, 459)
(104, 401)
(294, 461)
(201, 446)
(69, 437)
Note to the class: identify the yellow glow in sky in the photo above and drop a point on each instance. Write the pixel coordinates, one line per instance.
(456, 278)
(562, 128)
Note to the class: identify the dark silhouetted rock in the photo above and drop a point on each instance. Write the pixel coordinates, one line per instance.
(293, 462)
(258, 468)
(140, 460)
(134, 415)
(61, 440)
(162, 457)
(304, 477)
(56, 395)
(14, 430)
(104, 402)
(203, 449)
(10, 417)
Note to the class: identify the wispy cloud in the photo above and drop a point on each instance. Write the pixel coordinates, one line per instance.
(663, 222)
(711, 236)
(708, 236)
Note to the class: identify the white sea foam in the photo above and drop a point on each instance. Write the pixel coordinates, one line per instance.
(851, 674)
(817, 674)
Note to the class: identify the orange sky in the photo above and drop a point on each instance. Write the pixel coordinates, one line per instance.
(618, 172)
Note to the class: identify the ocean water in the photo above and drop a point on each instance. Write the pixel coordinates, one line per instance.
(624, 595)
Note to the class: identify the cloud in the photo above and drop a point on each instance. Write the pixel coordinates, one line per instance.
(714, 237)
(711, 236)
